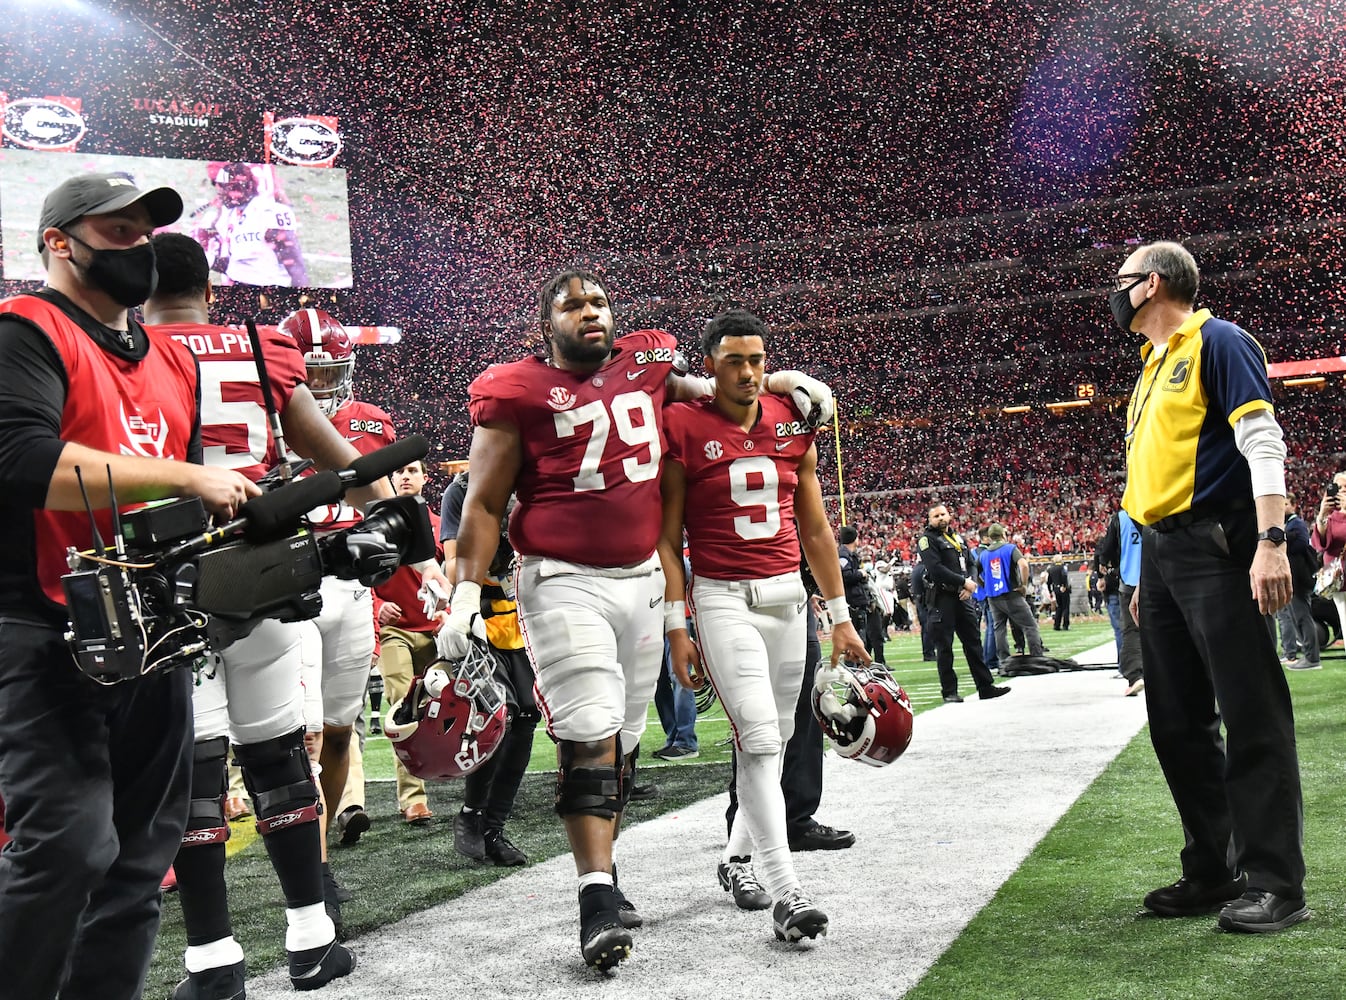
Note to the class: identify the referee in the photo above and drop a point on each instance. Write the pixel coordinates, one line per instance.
(1206, 477)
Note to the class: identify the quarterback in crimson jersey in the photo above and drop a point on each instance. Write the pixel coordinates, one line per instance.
(578, 434)
(250, 693)
(741, 469)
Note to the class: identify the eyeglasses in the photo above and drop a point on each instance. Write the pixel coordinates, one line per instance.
(1131, 279)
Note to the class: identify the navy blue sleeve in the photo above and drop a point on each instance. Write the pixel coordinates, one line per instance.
(1233, 370)
(451, 510)
(32, 396)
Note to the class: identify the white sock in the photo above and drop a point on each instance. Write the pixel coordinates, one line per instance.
(761, 803)
(740, 838)
(595, 878)
(216, 955)
(308, 927)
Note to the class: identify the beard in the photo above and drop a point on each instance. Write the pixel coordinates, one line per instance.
(581, 352)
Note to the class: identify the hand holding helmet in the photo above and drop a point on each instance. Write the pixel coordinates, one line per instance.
(863, 711)
(452, 642)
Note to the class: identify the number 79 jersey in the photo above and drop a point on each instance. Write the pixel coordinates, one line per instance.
(739, 510)
(593, 447)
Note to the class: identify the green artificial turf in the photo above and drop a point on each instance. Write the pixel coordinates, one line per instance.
(1069, 925)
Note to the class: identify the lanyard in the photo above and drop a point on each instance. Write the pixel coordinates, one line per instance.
(1134, 418)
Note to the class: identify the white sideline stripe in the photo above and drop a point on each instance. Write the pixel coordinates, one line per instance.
(938, 833)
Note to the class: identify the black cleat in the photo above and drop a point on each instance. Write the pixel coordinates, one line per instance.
(737, 877)
(316, 967)
(993, 692)
(604, 941)
(501, 850)
(794, 917)
(224, 983)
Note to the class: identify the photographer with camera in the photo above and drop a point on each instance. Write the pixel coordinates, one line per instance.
(1329, 538)
(95, 778)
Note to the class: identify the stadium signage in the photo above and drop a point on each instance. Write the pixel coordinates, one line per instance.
(303, 140)
(180, 113)
(46, 123)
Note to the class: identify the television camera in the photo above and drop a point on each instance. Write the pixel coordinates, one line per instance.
(172, 588)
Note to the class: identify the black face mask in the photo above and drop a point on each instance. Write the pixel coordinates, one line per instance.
(129, 276)
(1119, 301)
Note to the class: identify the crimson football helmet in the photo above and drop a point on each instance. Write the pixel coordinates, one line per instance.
(863, 711)
(452, 719)
(328, 353)
(236, 184)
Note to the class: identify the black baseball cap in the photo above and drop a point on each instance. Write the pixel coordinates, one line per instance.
(99, 194)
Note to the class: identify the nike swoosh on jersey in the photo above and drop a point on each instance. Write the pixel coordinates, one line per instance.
(655, 601)
(635, 374)
(783, 445)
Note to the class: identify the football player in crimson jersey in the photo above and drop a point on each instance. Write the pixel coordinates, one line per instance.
(346, 623)
(741, 470)
(251, 691)
(95, 778)
(577, 433)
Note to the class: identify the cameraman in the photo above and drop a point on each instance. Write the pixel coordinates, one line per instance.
(95, 778)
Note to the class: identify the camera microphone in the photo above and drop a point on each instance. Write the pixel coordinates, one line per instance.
(384, 462)
(276, 513)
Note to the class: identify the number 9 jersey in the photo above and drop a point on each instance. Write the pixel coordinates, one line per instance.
(592, 445)
(742, 521)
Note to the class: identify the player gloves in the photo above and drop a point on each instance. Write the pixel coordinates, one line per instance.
(465, 605)
(812, 398)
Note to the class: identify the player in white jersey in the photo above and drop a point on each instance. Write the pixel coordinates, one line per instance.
(254, 236)
(741, 468)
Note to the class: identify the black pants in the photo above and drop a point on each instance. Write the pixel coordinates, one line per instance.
(927, 640)
(493, 787)
(96, 782)
(1210, 657)
(1062, 618)
(950, 617)
(1130, 660)
(875, 634)
(802, 770)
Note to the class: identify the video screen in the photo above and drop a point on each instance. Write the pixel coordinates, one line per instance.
(259, 223)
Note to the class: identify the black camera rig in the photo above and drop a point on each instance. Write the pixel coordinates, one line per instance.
(172, 588)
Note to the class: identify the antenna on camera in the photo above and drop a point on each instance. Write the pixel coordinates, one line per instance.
(272, 414)
(88, 509)
(117, 538)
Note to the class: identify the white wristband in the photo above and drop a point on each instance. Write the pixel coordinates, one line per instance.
(675, 616)
(838, 609)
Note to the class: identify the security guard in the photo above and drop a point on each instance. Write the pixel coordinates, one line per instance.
(947, 588)
(1206, 477)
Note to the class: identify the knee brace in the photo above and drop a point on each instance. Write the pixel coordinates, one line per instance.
(206, 824)
(280, 781)
(587, 791)
(628, 776)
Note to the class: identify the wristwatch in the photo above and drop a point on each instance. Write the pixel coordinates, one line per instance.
(1276, 536)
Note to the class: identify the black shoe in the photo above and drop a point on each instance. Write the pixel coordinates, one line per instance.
(1261, 912)
(375, 729)
(469, 835)
(604, 942)
(626, 910)
(352, 822)
(641, 793)
(953, 699)
(817, 837)
(795, 917)
(993, 692)
(502, 851)
(737, 877)
(332, 887)
(316, 967)
(1186, 898)
(224, 983)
